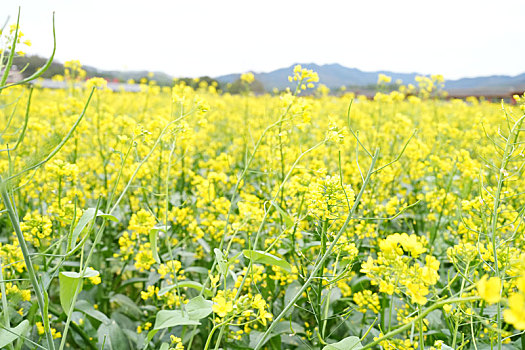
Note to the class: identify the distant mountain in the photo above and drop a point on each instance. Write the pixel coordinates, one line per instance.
(332, 75)
(498, 81)
(336, 75)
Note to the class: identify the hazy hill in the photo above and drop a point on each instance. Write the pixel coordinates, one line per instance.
(336, 75)
(332, 75)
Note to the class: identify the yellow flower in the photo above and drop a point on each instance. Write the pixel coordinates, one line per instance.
(489, 289)
(40, 328)
(99, 83)
(265, 315)
(172, 266)
(150, 291)
(258, 302)
(515, 315)
(222, 307)
(247, 77)
(141, 222)
(381, 78)
(95, 280)
(144, 259)
(520, 283)
(387, 288)
(417, 292)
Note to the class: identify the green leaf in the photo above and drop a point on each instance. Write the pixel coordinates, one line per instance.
(85, 219)
(233, 258)
(107, 216)
(128, 306)
(349, 343)
(164, 346)
(153, 244)
(153, 235)
(88, 309)
(197, 269)
(290, 293)
(87, 274)
(280, 328)
(9, 336)
(151, 334)
(172, 318)
(161, 228)
(198, 308)
(221, 261)
(288, 221)
(115, 339)
(70, 285)
(185, 284)
(258, 256)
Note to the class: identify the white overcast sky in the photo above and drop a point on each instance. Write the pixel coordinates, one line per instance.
(456, 38)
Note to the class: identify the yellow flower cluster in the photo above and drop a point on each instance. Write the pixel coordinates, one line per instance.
(327, 198)
(397, 266)
(225, 305)
(304, 77)
(247, 77)
(515, 314)
(36, 228)
(189, 171)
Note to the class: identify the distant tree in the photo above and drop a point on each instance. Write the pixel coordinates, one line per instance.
(239, 87)
(196, 82)
(30, 64)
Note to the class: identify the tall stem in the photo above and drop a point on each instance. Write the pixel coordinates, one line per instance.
(42, 303)
(318, 266)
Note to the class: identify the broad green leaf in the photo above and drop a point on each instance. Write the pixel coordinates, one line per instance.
(258, 256)
(70, 284)
(164, 346)
(185, 284)
(9, 336)
(198, 308)
(288, 221)
(88, 309)
(349, 343)
(172, 318)
(112, 335)
(128, 306)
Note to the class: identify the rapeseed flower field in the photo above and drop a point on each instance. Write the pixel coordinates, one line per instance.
(182, 218)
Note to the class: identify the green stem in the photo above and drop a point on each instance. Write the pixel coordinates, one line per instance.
(317, 267)
(509, 148)
(5, 306)
(421, 316)
(29, 265)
